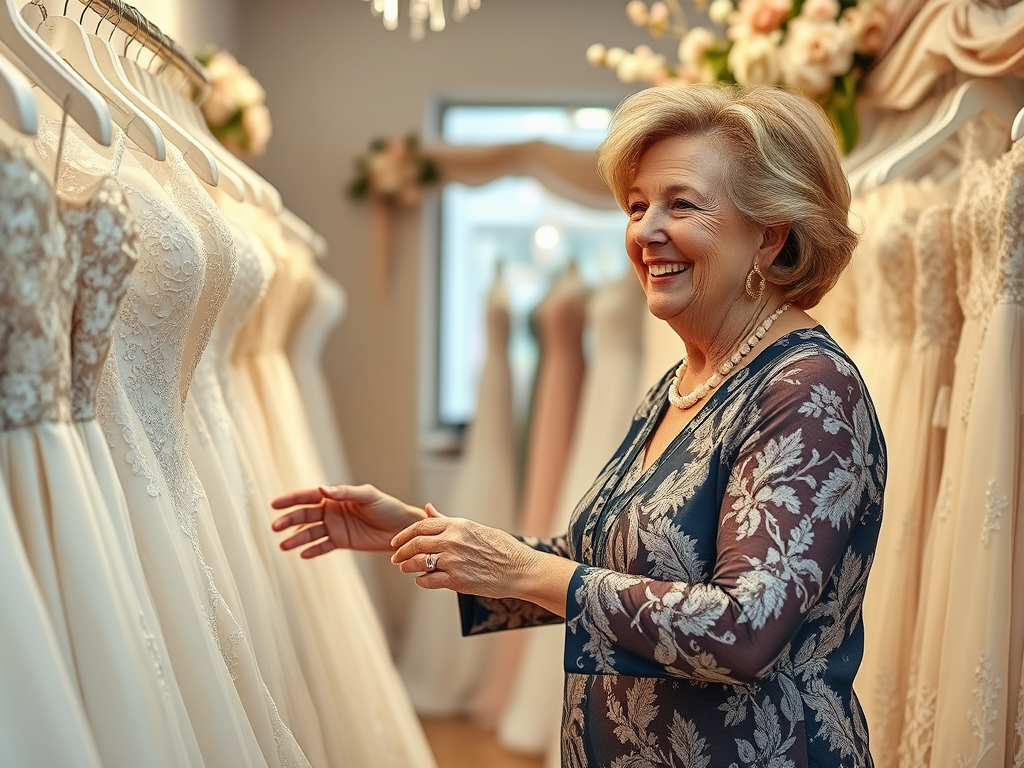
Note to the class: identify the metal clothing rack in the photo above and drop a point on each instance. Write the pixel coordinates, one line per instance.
(139, 29)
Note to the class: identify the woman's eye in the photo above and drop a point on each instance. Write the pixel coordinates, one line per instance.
(680, 204)
(636, 208)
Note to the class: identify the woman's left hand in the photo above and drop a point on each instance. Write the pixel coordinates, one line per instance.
(468, 557)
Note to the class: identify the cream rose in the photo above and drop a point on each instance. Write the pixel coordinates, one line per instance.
(720, 11)
(636, 12)
(595, 54)
(754, 59)
(257, 125)
(820, 10)
(220, 105)
(695, 44)
(814, 53)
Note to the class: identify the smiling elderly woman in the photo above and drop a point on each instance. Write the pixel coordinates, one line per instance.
(711, 580)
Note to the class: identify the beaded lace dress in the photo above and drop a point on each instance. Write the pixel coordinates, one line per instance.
(483, 490)
(69, 536)
(964, 706)
(40, 688)
(916, 443)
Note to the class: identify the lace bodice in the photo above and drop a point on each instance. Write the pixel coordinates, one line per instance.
(937, 313)
(103, 232)
(36, 292)
(885, 274)
(221, 257)
(987, 224)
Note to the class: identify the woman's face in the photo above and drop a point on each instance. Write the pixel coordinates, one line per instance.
(691, 248)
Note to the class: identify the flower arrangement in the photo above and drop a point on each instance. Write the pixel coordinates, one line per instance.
(393, 171)
(235, 110)
(820, 47)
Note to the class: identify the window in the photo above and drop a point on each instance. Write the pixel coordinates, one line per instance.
(518, 223)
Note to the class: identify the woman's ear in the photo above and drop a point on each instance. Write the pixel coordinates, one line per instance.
(773, 239)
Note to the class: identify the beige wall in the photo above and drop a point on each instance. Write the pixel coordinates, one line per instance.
(335, 80)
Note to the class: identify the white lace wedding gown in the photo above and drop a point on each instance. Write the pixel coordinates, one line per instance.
(68, 535)
(484, 490)
(965, 705)
(615, 313)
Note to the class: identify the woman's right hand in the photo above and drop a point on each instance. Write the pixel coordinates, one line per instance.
(343, 517)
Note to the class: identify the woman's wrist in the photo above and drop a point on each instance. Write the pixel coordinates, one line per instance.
(544, 579)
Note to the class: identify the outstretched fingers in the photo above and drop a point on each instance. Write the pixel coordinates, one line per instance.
(306, 535)
(300, 516)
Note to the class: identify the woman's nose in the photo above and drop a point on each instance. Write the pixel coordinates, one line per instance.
(648, 231)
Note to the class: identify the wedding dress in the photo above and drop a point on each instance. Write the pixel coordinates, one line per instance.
(915, 444)
(68, 535)
(615, 313)
(42, 722)
(218, 453)
(559, 322)
(964, 702)
(344, 652)
(484, 489)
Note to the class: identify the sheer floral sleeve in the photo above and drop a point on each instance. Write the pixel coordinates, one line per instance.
(800, 468)
(486, 614)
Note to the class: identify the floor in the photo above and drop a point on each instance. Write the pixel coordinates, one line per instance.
(460, 743)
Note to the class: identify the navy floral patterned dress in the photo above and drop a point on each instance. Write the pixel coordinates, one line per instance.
(714, 619)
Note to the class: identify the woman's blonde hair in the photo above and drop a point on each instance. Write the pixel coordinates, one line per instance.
(783, 168)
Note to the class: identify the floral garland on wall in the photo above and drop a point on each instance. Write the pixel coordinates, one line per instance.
(393, 171)
(235, 109)
(820, 47)
(392, 174)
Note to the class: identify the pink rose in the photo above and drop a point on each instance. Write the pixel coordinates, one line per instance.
(758, 17)
(866, 24)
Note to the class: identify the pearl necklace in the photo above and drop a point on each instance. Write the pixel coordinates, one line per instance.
(688, 401)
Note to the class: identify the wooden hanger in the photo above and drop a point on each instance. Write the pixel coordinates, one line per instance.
(54, 76)
(66, 37)
(17, 106)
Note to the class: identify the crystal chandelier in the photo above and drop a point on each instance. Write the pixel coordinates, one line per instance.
(422, 13)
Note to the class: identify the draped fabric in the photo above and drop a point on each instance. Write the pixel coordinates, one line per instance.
(973, 38)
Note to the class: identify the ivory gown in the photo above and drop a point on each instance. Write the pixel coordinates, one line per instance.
(68, 536)
(964, 702)
(42, 717)
(615, 313)
(217, 451)
(559, 321)
(916, 443)
(484, 490)
(344, 653)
